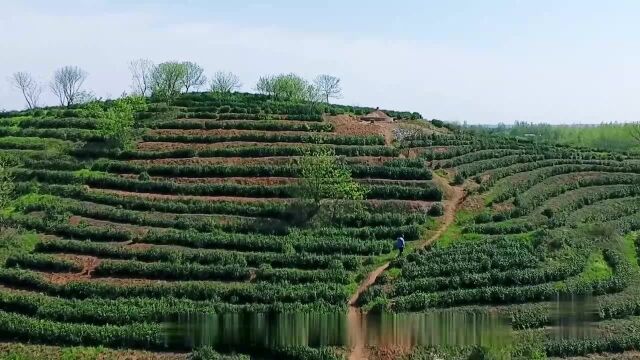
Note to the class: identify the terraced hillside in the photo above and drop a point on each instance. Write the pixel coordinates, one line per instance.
(201, 215)
(204, 215)
(538, 224)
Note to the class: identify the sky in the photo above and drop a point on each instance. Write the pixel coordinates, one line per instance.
(490, 61)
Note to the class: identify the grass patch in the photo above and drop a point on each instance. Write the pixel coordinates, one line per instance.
(597, 268)
(14, 241)
(454, 231)
(86, 173)
(628, 248)
(394, 273)
(442, 173)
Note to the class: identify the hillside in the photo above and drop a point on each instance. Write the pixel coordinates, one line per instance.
(202, 215)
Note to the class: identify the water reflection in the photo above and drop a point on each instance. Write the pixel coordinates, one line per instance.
(450, 328)
(572, 317)
(258, 330)
(269, 330)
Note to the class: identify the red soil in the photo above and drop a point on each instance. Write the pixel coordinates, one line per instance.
(268, 181)
(165, 146)
(187, 197)
(139, 246)
(385, 352)
(351, 125)
(89, 263)
(217, 132)
(270, 160)
(274, 160)
(138, 230)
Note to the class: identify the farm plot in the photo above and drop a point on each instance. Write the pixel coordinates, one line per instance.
(191, 219)
(539, 223)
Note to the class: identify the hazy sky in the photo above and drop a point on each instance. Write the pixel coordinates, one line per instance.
(477, 61)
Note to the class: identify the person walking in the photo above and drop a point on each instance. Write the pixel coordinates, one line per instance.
(400, 244)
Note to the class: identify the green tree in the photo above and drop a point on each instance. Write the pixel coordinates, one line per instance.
(7, 186)
(635, 132)
(168, 79)
(290, 87)
(323, 176)
(193, 77)
(116, 122)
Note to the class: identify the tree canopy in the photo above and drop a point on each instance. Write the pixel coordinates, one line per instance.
(291, 87)
(324, 176)
(116, 122)
(167, 80)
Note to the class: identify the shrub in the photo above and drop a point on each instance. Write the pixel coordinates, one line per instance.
(436, 209)
(458, 179)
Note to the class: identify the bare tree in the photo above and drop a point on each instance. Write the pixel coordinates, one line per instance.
(194, 76)
(167, 80)
(66, 85)
(266, 85)
(29, 87)
(224, 82)
(328, 86)
(141, 72)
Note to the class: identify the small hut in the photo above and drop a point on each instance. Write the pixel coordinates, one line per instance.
(376, 116)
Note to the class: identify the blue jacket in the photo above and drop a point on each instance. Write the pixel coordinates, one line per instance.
(400, 242)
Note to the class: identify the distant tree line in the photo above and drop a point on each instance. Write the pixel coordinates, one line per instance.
(167, 80)
(605, 136)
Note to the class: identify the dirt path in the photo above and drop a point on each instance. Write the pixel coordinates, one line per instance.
(354, 316)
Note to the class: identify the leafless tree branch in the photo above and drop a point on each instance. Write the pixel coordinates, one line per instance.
(328, 86)
(67, 83)
(224, 82)
(141, 72)
(194, 76)
(29, 87)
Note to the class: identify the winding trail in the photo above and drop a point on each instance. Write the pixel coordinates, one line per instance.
(354, 316)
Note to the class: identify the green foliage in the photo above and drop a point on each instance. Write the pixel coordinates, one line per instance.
(436, 209)
(458, 179)
(610, 137)
(42, 262)
(253, 151)
(289, 87)
(311, 138)
(167, 80)
(115, 123)
(208, 353)
(15, 242)
(323, 176)
(7, 185)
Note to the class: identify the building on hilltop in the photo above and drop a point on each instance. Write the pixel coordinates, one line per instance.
(375, 116)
